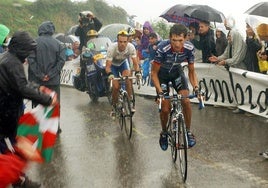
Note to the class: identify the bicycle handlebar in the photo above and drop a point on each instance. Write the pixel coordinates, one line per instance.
(122, 78)
(201, 104)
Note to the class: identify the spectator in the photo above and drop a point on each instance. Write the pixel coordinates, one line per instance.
(146, 30)
(4, 31)
(75, 47)
(45, 65)
(235, 51)
(194, 39)
(221, 40)
(69, 53)
(153, 42)
(138, 43)
(207, 41)
(253, 46)
(13, 89)
(263, 61)
(87, 21)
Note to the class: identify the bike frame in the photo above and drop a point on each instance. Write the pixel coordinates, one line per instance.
(125, 111)
(176, 123)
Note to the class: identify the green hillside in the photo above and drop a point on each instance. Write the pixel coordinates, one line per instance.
(24, 15)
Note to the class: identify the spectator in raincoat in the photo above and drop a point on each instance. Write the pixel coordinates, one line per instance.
(4, 31)
(221, 40)
(46, 64)
(235, 51)
(253, 45)
(146, 30)
(14, 87)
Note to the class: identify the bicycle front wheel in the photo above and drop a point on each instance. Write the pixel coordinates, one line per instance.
(127, 115)
(182, 147)
(172, 124)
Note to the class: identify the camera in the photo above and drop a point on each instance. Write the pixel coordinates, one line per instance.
(84, 17)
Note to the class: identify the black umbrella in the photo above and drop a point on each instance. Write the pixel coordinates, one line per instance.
(175, 14)
(259, 9)
(204, 12)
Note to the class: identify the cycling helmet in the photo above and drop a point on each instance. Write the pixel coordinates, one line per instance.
(92, 33)
(131, 31)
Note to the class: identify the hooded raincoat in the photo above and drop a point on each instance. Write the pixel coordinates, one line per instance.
(238, 50)
(14, 86)
(49, 58)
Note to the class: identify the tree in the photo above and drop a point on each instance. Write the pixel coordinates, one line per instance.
(162, 28)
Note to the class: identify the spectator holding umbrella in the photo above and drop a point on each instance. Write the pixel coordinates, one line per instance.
(207, 42)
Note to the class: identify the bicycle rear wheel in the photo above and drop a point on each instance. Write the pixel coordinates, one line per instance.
(172, 123)
(182, 148)
(127, 115)
(121, 119)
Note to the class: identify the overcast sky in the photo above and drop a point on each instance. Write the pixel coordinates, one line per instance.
(151, 9)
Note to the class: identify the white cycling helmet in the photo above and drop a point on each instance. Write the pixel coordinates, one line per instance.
(131, 31)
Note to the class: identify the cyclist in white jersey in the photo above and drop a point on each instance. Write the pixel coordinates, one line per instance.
(117, 62)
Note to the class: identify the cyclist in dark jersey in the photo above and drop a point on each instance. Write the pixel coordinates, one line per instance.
(167, 67)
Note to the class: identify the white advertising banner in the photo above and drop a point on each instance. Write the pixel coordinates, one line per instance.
(69, 70)
(234, 87)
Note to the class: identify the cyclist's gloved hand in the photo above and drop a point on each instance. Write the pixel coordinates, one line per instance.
(161, 94)
(110, 76)
(196, 91)
(138, 74)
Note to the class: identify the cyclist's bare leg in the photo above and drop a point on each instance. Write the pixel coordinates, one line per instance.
(165, 110)
(128, 83)
(187, 109)
(115, 92)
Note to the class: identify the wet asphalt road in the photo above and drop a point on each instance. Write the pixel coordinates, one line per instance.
(93, 152)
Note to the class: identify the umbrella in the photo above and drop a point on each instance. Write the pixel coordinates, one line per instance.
(204, 12)
(259, 9)
(72, 30)
(175, 14)
(111, 30)
(66, 38)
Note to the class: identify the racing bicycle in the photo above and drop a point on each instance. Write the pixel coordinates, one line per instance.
(124, 106)
(176, 128)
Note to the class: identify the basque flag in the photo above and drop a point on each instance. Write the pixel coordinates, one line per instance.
(40, 127)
